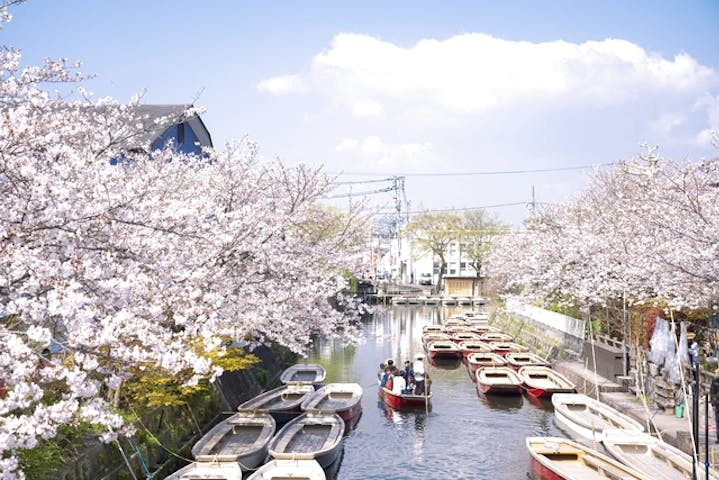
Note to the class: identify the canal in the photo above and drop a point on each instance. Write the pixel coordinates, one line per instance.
(465, 435)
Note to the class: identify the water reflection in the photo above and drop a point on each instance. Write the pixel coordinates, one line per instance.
(465, 435)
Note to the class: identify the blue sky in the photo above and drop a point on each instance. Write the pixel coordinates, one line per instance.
(437, 91)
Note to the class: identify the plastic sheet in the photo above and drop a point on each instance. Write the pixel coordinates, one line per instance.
(659, 342)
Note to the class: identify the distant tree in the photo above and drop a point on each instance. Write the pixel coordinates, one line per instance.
(479, 230)
(433, 233)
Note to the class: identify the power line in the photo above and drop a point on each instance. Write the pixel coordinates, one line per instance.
(485, 173)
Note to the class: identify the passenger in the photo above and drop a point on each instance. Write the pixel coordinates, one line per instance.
(389, 378)
(381, 371)
(399, 384)
(407, 371)
(419, 374)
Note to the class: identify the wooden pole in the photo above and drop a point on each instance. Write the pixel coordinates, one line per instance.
(426, 393)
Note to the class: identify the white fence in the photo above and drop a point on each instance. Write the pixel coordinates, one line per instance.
(569, 325)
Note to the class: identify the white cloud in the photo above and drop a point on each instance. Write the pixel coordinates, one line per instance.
(378, 155)
(474, 72)
(282, 85)
(366, 108)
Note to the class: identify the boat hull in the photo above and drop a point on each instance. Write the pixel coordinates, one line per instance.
(283, 469)
(283, 403)
(399, 402)
(543, 382)
(241, 438)
(344, 399)
(588, 418)
(309, 437)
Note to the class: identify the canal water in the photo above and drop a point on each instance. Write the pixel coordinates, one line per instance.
(464, 435)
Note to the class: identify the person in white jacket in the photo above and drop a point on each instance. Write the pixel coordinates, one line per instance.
(418, 372)
(399, 384)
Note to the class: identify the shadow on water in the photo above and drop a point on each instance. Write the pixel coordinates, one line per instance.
(465, 435)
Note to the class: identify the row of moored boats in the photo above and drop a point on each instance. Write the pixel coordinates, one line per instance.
(497, 364)
(621, 449)
(447, 301)
(293, 431)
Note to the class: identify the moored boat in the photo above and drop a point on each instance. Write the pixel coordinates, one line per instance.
(344, 399)
(652, 456)
(289, 469)
(589, 418)
(241, 438)
(311, 436)
(543, 381)
(499, 380)
(404, 401)
(475, 361)
(496, 337)
(210, 470)
(428, 338)
(502, 348)
(432, 329)
(305, 374)
(518, 360)
(449, 301)
(467, 336)
(555, 458)
(474, 346)
(443, 349)
(283, 403)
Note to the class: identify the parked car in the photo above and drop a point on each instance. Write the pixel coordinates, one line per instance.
(425, 279)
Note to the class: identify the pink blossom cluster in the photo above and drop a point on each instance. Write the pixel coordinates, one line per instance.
(132, 266)
(647, 229)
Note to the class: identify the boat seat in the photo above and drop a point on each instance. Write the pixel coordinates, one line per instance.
(609, 470)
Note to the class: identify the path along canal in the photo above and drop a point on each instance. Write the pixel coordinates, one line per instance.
(465, 435)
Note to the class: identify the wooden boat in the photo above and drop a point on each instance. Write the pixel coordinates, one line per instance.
(311, 436)
(241, 438)
(344, 399)
(476, 316)
(502, 348)
(433, 301)
(543, 381)
(449, 301)
(499, 380)
(454, 322)
(210, 470)
(404, 401)
(443, 349)
(289, 469)
(283, 403)
(555, 458)
(428, 338)
(399, 300)
(432, 329)
(476, 361)
(477, 301)
(458, 337)
(517, 360)
(304, 373)
(464, 301)
(651, 456)
(496, 337)
(474, 346)
(589, 418)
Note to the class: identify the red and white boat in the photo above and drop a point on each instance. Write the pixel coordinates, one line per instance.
(544, 382)
(432, 329)
(476, 361)
(555, 458)
(406, 401)
(467, 336)
(496, 337)
(344, 399)
(499, 381)
(428, 338)
(474, 346)
(502, 348)
(443, 350)
(517, 360)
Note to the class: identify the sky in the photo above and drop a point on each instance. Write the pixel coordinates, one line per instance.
(475, 104)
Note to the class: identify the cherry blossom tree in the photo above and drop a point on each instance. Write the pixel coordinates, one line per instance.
(647, 228)
(154, 263)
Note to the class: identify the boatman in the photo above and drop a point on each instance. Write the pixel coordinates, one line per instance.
(418, 371)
